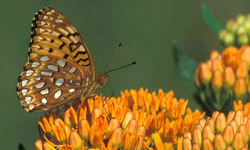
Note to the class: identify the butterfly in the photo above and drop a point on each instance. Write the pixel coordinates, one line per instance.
(60, 68)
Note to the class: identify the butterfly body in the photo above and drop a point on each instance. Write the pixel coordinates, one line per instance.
(60, 67)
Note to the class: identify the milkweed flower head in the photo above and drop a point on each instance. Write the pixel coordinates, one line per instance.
(134, 120)
(237, 32)
(220, 132)
(224, 74)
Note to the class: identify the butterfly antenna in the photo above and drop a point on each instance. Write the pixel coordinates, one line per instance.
(110, 58)
(133, 63)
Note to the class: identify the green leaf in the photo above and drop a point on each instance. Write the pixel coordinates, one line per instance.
(186, 65)
(227, 106)
(21, 147)
(210, 19)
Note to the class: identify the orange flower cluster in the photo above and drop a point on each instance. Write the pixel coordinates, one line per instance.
(245, 108)
(224, 74)
(135, 120)
(220, 133)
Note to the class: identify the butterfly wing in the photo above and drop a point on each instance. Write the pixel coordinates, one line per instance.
(53, 34)
(60, 66)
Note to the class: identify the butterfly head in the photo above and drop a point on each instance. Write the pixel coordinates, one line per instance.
(101, 79)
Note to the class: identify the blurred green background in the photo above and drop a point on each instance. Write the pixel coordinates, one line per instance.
(146, 30)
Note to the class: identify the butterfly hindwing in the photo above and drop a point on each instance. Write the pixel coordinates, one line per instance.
(47, 82)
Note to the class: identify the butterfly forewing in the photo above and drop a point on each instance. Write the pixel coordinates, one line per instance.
(53, 34)
(60, 67)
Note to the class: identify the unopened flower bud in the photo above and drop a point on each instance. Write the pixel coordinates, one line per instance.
(187, 145)
(116, 138)
(214, 115)
(239, 117)
(243, 39)
(245, 55)
(207, 132)
(219, 143)
(243, 130)
(228, 134)
(229, 24)
(47, 146)
(211, 123)
(234, 125)
(214, 55)
(197, 79)
(238, 142)
(196, 146)
(95, 114)
(242, 70)
(84, 129)
(141, 131)
(207, 144)
(220, 123)
(241, 30)
(75, 140)
(231, 57)
(228, 39)
(38, 145)
(240, 19)
(127, 118)
(132, 127)
(205, 73)
(230, 116)
(217, 80)
(229, 77)
(240, 88)
(197, 136)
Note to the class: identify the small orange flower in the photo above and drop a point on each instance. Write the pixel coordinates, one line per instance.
(231, 57)
(135, 120)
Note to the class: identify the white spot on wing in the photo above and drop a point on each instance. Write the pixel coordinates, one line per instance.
(71, 90)
(24, 82)
(62, 99)
(79, 78)
(52, 67)
(58, 21)
(77, 83)
(72, 70)
(31, 106)
(27, 99)
(40, 85)
(44, 58)
(43, 23)
(38, 78)
(59, 82)
(29, 72)
(46, 73)
(45, 91)
(61, 62)
(35, 64)
(49, 13)
(44, 101)
(58, 94)
(70, 81)
(45, 17)
(24, 91)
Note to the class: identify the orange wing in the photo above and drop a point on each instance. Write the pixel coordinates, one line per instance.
(60, 66)
(53, 34)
